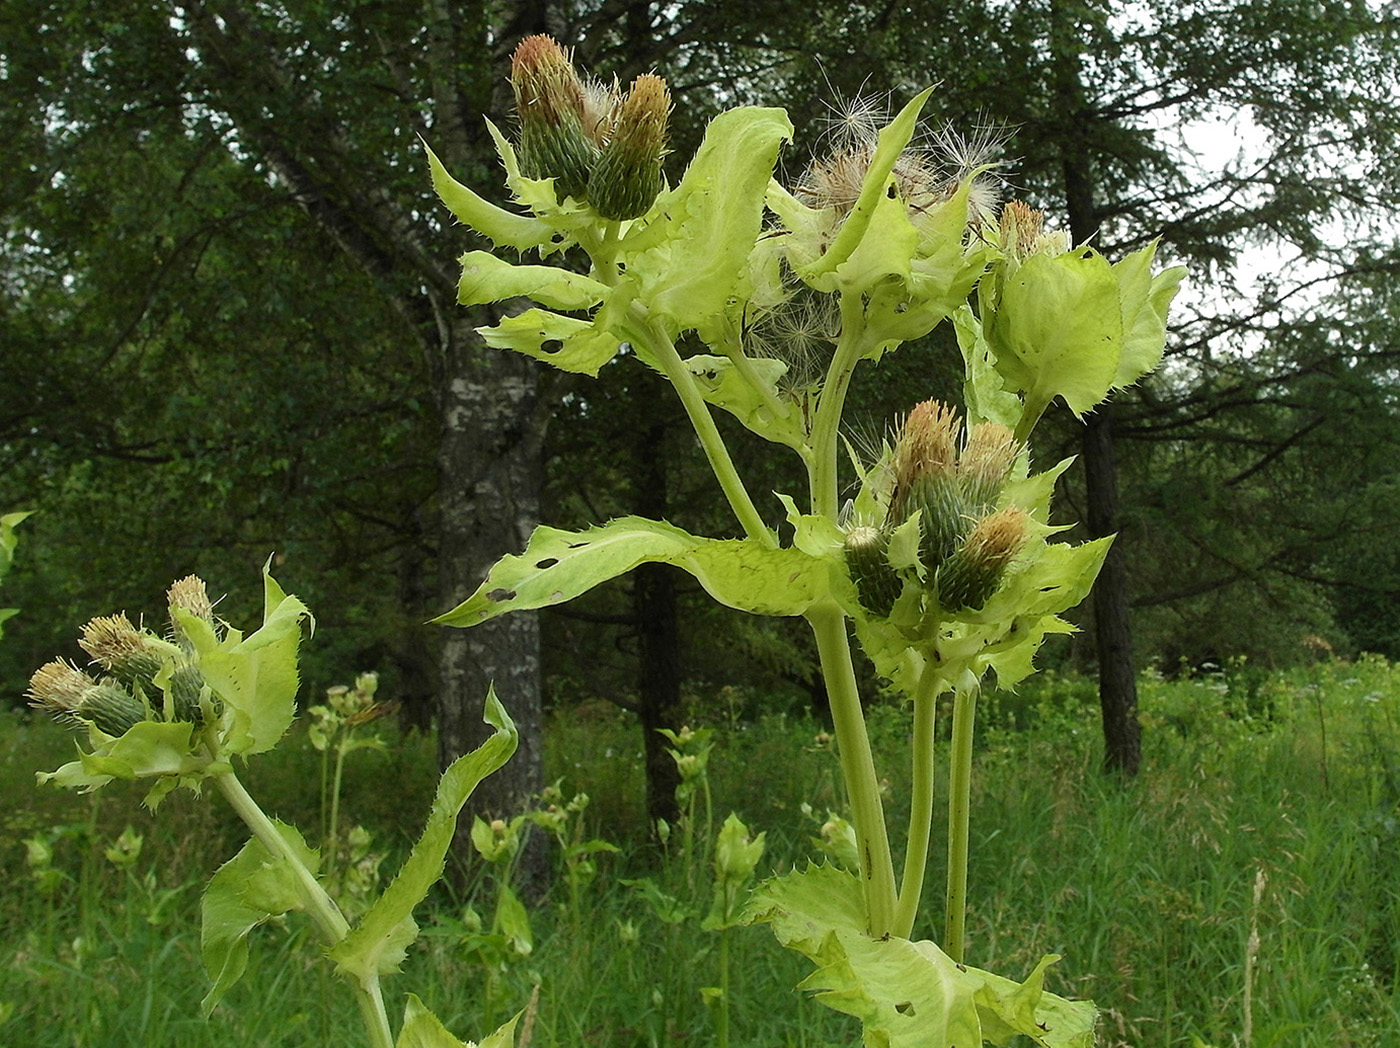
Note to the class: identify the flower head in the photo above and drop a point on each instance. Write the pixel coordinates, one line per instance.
(968, 578)
(554, 108)
(627, 177)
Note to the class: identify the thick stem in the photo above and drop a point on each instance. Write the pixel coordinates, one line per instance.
(664, 350)
(325, 915)
(959, 800)
(911, 885)
(857, 765)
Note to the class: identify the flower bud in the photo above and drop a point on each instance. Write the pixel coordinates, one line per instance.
(1020, 228)
(867, 559)
(926, 479)
(972, 574)
(58, 688)
(985, 465)
(736, 854)
(189, 595)
(66, 692)
(186, 685)
(550, 101)
(627, 177)
(130, 655)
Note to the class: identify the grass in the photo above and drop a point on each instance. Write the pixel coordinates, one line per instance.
(1244, 890)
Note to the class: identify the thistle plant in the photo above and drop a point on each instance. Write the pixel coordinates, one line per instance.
(941, 562)
(177, 709)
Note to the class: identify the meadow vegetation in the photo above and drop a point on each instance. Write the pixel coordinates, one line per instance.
(1244, 890)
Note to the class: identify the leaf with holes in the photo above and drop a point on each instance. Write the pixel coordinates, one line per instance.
(558, 565)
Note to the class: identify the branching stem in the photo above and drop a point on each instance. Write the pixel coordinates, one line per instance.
(325, 915)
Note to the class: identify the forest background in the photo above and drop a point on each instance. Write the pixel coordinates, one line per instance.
(229, 330)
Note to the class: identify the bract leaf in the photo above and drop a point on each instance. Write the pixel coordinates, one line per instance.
(246, 891)
(147, 749)
(1058, 329)
(256, 677)
(486, 278)
(582, 347)
(704, 228)
(1144, 300)
(908, 994)
(378, 942)
(501, 227)
(984, 392)
(558, 565)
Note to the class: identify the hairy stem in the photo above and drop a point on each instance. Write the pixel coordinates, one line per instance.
(857, 765)
(911, 885)
(959, 800)
(325, 915)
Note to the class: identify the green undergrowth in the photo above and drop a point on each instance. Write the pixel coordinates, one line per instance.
(1243, 890)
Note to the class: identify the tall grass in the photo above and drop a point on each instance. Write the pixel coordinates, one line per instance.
(1244, 890)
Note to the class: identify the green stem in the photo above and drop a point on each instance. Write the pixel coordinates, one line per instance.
(724, 984)
(827, 425)
(911, 885)
(325, 915)
(664, 350)
(857, 765)
(959, 801)
(334, 827)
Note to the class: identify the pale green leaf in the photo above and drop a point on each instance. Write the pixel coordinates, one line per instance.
(486, 278)
(148, 749)
(908, 994)
(378, 942)
(246, 891)
(1144, 300)
(558, 565)
(986, 396)
(761, 410)
(1058, 329)
(501, 227)
(886, 249)
(703, 230)
(423, 1029)
(569, 344)
(256, 677)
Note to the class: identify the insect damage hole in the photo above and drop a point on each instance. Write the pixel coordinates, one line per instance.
(548, 562)
(500, 595)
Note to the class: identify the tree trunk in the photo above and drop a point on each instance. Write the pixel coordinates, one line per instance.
(1112, 630)
(1113, 640)
(489, 503)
